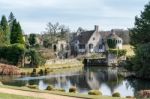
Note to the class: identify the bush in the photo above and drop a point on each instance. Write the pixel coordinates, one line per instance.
(116, 94)
(34, 73)
(36, 59)
(94, 92)
(49, 87)
(32, 86)
(47, 70)
(12, 53)
(41, 72)
(120, 52)
(73, 89)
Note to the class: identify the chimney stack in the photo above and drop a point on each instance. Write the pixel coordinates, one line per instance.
(96, 28)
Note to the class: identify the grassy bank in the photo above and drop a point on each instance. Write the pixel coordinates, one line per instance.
(78, 95)
(11, 96)
(56, 66)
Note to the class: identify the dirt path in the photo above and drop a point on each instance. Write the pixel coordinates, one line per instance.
(34, 94)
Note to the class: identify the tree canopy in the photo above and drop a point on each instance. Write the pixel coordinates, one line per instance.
(32, 39)
(140, 34)
(16, 33)
(5, 29)
(140, 39)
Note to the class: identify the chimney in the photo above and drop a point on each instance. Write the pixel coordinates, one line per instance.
(113, 31)
(96, 28)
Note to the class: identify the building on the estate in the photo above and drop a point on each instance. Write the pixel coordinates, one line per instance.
(94, 41)
(61, 48)
(88, 42)
(113, 38)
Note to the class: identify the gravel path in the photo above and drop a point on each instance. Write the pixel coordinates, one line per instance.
(34, 94)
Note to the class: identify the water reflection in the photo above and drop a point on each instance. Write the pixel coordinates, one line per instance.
(104, 79)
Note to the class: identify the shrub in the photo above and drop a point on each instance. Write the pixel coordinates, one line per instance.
(32, 86)
(73, 89)
(12, 53)
(34, 73)
(94, 92)
(120, 52)
(47, 70)
(41, 72)
(9, 70)
(23, 73)
(116, 94)
(49, 87)
(36, 58)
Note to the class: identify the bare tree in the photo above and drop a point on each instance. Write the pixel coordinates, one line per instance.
(52, 30)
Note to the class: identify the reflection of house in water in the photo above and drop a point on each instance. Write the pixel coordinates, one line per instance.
(91, 78)
(97, 77)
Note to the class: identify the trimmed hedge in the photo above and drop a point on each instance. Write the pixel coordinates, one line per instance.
(13, 54)
(94, 92)
(73, 89)
(116, 94)
(49, 87)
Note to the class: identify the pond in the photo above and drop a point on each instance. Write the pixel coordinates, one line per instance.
(104, 79)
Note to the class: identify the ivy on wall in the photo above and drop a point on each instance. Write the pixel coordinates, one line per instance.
(112, 43)
(118, 52)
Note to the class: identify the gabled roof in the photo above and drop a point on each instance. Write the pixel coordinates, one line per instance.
(113, 36)
(84, 37)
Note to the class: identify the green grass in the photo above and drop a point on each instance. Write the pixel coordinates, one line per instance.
(129, 49)
(11, 96)
(78, 95)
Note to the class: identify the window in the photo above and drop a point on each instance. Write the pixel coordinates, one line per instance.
(100, 46)
(81, 46)
(90, 46)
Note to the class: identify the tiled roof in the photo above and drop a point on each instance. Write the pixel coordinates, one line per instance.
(84, 37)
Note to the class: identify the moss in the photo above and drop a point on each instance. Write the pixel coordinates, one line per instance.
(49, 87)
(116, 94)
(73, 89)
(95, 92)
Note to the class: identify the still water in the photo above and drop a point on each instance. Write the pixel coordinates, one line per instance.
(104, 79)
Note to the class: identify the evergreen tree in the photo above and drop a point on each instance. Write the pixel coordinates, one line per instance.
(5, 28)
(11, 18)
(16, 33)
(140, 39)
(140, 34)
(2, 37)
(32, 39)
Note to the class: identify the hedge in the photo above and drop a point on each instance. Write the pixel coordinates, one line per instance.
(119, 52)
(13, 54)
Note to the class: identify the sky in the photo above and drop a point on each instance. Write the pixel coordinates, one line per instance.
(33, 15)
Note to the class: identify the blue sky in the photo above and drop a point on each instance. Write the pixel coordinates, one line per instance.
(35, 14)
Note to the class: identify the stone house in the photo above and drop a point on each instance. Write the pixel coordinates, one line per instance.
(93, 41)
(88, 42)
(61, 49)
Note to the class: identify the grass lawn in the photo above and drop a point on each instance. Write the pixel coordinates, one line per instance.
(11, 96)
(60, 93)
